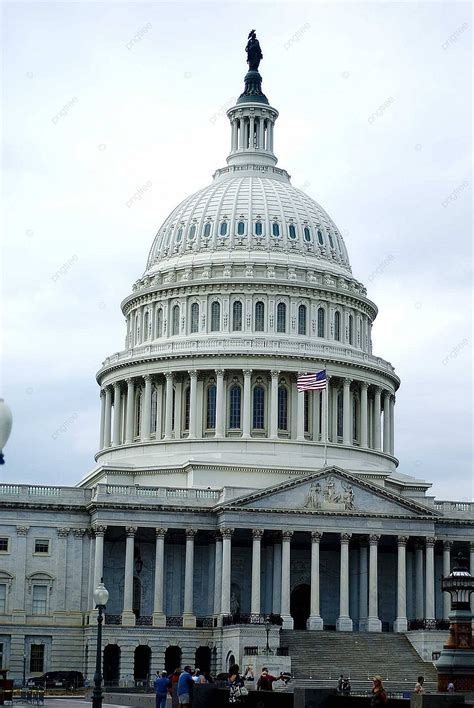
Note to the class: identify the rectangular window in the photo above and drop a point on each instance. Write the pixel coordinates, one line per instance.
(41, 545)
(37, 658)
(3, 598)
(4, 544)
(40, 596)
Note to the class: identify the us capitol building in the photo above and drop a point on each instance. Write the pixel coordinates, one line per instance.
(223, 497)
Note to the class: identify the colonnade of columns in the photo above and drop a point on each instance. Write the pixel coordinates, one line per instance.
(252, 132)
(173, 405)
(368, 610)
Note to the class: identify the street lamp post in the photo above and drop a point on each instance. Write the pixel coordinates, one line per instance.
(101, 596)
(268, 626)
(24, 669)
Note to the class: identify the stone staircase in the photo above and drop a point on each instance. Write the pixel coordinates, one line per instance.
(318, 658)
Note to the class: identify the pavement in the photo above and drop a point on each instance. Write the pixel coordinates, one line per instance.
(74, 703)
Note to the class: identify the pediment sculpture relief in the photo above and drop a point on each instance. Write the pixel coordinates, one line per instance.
(325, 496)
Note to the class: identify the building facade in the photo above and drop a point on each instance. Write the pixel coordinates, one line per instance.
(222, 497)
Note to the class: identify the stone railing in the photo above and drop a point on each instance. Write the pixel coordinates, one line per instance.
(53, 494)
(113, 619)
(207, 497)
(249, 345)
(428, 624)
(238, 618)
(455, 507)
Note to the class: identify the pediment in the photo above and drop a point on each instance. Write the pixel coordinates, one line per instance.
(331, 491)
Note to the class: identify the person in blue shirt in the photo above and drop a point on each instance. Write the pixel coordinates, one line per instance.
(162, 684)
(185, 687)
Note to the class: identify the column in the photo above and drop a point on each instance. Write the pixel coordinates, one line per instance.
(159, 411)
(18, 597)
(234, 136)
(251, 131)
(373, 622)
(102, 420)
(344, 622)
(192, 404)
(218, 575)
(246, 403)
(169, 405)
(189, 619)
(220, 413)
(446, 571)
(419, 606)
(61, 568)
(277, 578)
(99, 533)
(108, 416)
(392, 424)
(226, 569)
(314, 620)
(325, 412)
(300, 416)
(117, 409)
(334, 414)
(128, 616)
(178, 400)
(159, 618)
(146, 422)
(241, 134)
(386, 422)
(130, 412)
(377, 414)
(363, 586)
(270, 129)
(256, 570)
(285, 579)
(316, 415)
(346, 413)
(363, 414)
(274, 405)
(429, 581)
(401, 623)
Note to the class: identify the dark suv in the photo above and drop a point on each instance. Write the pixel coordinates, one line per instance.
(58, 679)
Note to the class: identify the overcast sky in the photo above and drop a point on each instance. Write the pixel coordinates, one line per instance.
(100, 99)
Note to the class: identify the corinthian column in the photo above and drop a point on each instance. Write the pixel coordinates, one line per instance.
(220, 413)
(246, 403)
(108, 416)
(363, 414)
(419, 604)
(169, 405)
(102, 419)
(117, 413)
(346, 413)
(446, 571)
(226, 569)
(159, 618)
(274, 406)
(130, 411)
(256, 570)
(189, 619)
(429, 582)
(386, 421)
(344, 622)
(373, 622)
(315, 620)
(285, 579)
(192, 403)
(377, 414)
(128, 616)
(401, 623)
(146, 424)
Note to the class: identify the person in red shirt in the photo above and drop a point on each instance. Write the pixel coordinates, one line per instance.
(265, 681)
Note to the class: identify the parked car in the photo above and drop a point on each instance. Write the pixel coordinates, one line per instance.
(58, 679)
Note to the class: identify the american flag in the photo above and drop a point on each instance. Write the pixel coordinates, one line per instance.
(312, 382)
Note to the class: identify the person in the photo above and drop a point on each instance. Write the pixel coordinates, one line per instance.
(450, 688)
(379, 697)
(340, 684)
(419, 685)
(265, 681)
(162, 685)
(208, 677)
(185, 687)
(174, 686)
(249, 673)
(346, 687)
(236, 683)
(199, 677)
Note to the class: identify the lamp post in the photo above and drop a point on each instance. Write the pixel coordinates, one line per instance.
(101, 596)
(268, 626)
(24, 669)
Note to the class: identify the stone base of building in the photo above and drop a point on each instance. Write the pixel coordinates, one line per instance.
(373, 624)
(287, 622)
(344, 624)
(315, 622)
(159, 619)
(128, 619)
(400, 625)
(189, 621)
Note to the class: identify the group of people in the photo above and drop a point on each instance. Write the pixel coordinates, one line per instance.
(179, 685)
(238, 691)
(344, 686)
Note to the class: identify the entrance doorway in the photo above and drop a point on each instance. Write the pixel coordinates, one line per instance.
(202, 659)
(141, 663)
(111, 664)
(172, 658)
(300, 605)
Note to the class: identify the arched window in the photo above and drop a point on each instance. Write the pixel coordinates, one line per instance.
(282, 408)
(241, 228)
(235, 396)
(159, 323)
(307, 234)
(258, 421)
(291, 231)
(138, 413)
(194, 318)
(223, 228)
(175, 320)
(281, 317)
(302, 319)
(192, 232)
(275, 229)
(215, 316)
(351, 329)
(331, 242)
(187, 399)
(321, 318)
(259, 316)
(320, 238)
(258, 228)
(207, 229)
(237, 316)
(179, 235)
(340, 408)
(146, 322)
(154, 403)
(337, 326)
(211, 407)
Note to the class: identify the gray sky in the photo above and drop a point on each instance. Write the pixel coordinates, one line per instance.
(101, 98)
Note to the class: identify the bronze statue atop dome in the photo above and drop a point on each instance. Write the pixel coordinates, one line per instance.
(254, 53)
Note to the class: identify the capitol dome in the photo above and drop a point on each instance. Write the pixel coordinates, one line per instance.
(247, 286)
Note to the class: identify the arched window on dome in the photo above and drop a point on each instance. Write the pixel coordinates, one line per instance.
(223, 228)
(321, 323)
(146, 325)
(275, 229)
(302, 319)
(175, 320)
(154, 404)
(282, 408)
(240, 228)
(138, 413)
(281, 317)
(194, 318)
(259, 316)
(351, 329)
(211, 407)
(258, 228)
(307, 234)
(340, 414)
(215, 316)
(258, 417)
(320, 238)
(337, 326)
(137, 329)
(192, 232)
(159, 323)
(292, 231)
(235, 396)
(237, 316)
(207, 229)
(331, 242)
(187, 401)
